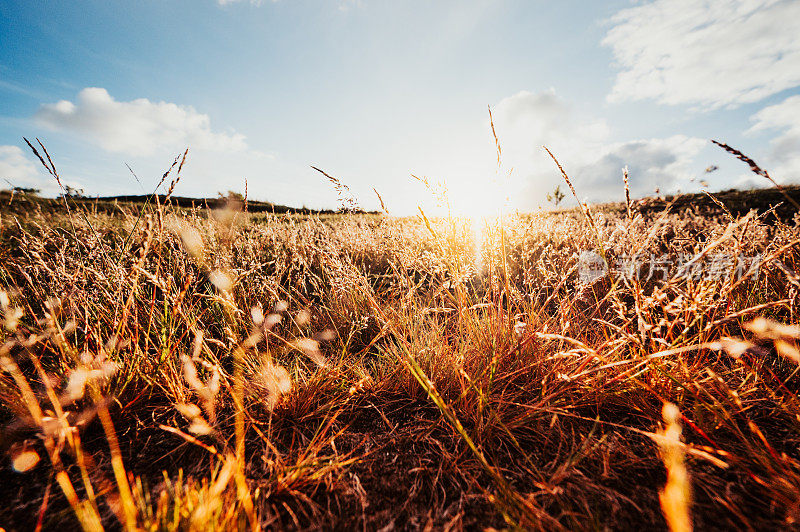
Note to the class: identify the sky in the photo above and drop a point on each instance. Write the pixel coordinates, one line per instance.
(373, 92)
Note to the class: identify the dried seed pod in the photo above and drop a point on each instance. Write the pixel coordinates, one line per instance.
(192, 242)
(772, 330)
(257, 315)
(200, 427)
(310, 348)
(275, 381)
(188, 410)
(325, 335)
(221, 280)
(303, 318)
(23, 458)
(272, 320)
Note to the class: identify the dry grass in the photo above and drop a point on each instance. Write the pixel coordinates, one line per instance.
(171, 369)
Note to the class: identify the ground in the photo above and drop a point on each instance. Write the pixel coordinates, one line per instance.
(174, 368)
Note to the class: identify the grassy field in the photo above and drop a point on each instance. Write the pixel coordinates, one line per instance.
(168, 368)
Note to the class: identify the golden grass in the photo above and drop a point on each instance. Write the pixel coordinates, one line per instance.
(176, 369)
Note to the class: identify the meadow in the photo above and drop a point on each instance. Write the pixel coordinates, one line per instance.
(174, 368)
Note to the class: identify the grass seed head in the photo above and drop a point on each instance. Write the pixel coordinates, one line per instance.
(23, 458)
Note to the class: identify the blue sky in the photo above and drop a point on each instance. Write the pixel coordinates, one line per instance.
(374, 91)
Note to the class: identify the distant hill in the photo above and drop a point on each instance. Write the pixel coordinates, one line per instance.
(216, 203)
(25, 202)
(738, 202)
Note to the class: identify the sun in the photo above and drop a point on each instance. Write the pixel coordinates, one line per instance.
(483, 205)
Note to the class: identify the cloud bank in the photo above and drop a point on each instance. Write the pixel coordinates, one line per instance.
(252, 2)
(594, 161)
(18, 170)
(785, 147)
(138, 127)
(709, 53)
(149, 134)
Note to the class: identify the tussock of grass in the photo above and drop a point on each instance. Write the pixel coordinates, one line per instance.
(175, 369)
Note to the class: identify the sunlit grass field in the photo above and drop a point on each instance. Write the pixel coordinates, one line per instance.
(167, 368)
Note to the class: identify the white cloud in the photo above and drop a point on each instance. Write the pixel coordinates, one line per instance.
(344, 5)
(228, 2)
(594, 161)
(347, 5)
(652, 163)
(137, 127)
(785, 148)
(18, 170)
(544, 117)
(711, 53)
